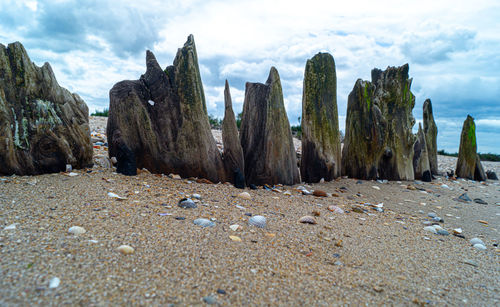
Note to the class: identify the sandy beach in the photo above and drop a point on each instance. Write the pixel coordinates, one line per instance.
(359, 257)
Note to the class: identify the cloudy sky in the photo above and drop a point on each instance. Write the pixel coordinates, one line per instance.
(452, 48)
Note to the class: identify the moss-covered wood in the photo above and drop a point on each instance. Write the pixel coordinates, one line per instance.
(321, 155)
(163, 119)
(43, 126)
(468, 163)
(379, 141)
(265, 135)
(430, 132)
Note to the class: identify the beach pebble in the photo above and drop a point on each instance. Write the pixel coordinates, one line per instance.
(76, 230)
(196, 196)
(319, 193)
(307, 219)
(375, 187)
(457, 231)
(125, 249)
(221, 291)
(479, 246)
(258, 221)
(474, 241)
(54, 283)
(432, 215)
(442, 232)
(209, 300)
(186, 203)
(306, 192)
(437, 219)
(245, 195)
(204, 222)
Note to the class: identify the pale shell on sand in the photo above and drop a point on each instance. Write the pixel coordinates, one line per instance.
(54, 283)
(76, 230)
(204, 223)
(125, 249)
(245, 195)
(307, 219)
(258, 221)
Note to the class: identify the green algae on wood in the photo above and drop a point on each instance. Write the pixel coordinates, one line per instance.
(321, 156)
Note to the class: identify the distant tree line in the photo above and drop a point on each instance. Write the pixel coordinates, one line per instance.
(483, 156)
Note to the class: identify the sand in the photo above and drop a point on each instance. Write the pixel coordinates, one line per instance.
(372, 258)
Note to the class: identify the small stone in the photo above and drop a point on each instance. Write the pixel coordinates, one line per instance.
(287, 192)
(125, 249)
(483, 222)
(196, 196)
(186, 203)
(234, 227)
(306, 192)
(338, 263)
(307, 220)
(175, 176)
(113, 160)
(245, 195)
(180, 218)
(319, 193)
(76, 230)
(221, 291)
(491, 175)
(432, 215)
(457, 230)
(376, 187)
(474, 241)
(252, 186)
(442, 232)
(235, 238)
(479, 246)
(357, 209)
(54, 283)
(437, 219)
(209, 300)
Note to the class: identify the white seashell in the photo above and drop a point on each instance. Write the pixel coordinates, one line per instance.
(72, 174)
(258, 221)
(204, 223)
(479, 246)
(245, 195)
(430, 229)
(54, 283)
(474, 241)
(113, 195)
(307, 219)
(457, 230)
(10, 227)
(76, 230)
(306, 192)
(93, 241)
(234, 227)
(335, 209)
(375, 187)
(125, 249)
(151, 102)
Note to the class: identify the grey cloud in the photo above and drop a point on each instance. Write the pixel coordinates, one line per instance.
(436, 47)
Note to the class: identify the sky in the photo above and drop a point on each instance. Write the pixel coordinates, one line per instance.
(452, 48)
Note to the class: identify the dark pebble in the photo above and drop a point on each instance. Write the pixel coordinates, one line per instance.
(187, 203)
(336, 255)
(253, 186)
(180, 218)
(480, 201)
(248, 214)
(220, 291)
(359, 182)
